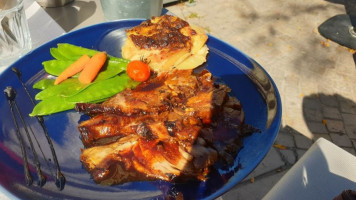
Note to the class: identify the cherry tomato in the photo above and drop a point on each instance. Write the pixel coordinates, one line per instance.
(138, 70)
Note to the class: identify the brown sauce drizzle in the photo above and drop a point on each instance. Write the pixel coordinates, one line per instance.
(10, 99)
(59, 177)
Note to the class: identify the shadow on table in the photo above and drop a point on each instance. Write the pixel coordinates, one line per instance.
(340, 28)
(332, 117)
(72, 14)
(311, 52)
(337, 1)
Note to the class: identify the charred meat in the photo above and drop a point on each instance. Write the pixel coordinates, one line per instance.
(172, 127)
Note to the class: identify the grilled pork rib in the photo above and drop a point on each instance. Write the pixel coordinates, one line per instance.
(153, 96)
(174, 126)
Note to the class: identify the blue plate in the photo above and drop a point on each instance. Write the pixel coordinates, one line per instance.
(248, 81)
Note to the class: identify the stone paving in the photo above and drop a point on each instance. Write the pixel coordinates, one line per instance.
(315, 77)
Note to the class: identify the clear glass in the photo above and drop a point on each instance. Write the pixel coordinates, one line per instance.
(15, 39)
(125, 9)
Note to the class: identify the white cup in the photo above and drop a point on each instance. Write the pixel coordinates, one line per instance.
(15, 39)
(125, 9)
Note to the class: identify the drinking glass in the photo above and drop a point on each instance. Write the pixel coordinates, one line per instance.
(15, 38)
(125, 9)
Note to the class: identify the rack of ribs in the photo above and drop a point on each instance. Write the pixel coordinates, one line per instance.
(173, 127)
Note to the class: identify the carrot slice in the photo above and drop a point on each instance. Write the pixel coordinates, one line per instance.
(73, 69)
(92, 68)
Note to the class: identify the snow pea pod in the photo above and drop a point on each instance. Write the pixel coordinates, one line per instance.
(52, 105)
(57, 98)
(111, 68)
(73, 90)
(55, 67)
(99, 100)
(68, 86)
(57, 55)
(74, 52)
(104, 89)
(43, 84)
(95, 93)
(72, 86)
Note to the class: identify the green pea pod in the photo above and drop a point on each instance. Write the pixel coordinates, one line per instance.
(118, 59)
(55, 67)
(43, 84)
(57, 55)
(110, 69)
(103, 89)
(57, 98)
(73, 90)
(67, 87)
(99, 100)
(71, 87)
(52, 105)
(74, 52)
